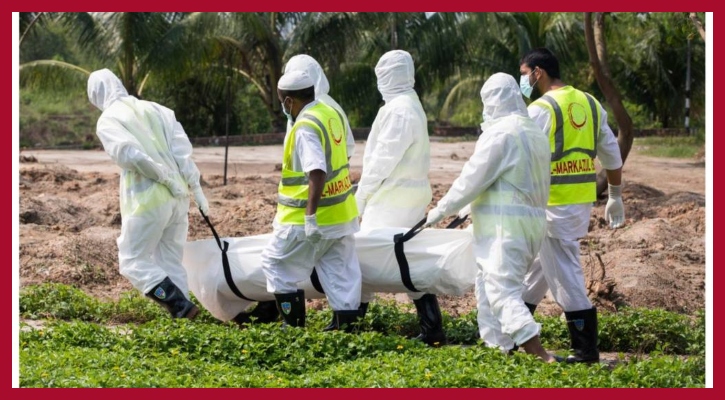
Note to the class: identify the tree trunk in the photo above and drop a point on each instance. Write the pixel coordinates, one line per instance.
(597, 48)
(698, 25)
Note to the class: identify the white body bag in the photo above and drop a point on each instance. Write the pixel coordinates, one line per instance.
(226, 275)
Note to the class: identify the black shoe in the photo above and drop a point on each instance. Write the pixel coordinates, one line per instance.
(170, 297)
(265, 312)
(292, 307)
(583, 331)
(431, 321)
(333, 325)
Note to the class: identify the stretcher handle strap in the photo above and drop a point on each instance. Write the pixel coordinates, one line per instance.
(315, 279)
(400, 240)
(457, 222)
(225, 260)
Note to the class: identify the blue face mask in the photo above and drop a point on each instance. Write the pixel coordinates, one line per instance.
(526, 87)
(286, 114)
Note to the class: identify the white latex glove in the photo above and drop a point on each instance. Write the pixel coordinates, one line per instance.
(434, 217)
(614, 212)
(175, 187)
(312, 231)
(201, 201)
(465, 211)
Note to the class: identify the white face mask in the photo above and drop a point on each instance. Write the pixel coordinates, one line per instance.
(526, 87)
(285, 112)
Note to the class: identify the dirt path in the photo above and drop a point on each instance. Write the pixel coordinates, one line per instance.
(69, 222)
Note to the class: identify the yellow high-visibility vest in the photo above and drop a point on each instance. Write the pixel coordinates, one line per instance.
(573, 136)
(337, 204)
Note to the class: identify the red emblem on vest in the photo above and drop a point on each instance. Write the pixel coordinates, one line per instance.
(577, 115)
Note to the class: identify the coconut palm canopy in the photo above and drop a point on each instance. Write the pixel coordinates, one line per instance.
(197, 62)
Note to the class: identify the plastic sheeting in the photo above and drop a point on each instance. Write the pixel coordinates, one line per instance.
(440, 262)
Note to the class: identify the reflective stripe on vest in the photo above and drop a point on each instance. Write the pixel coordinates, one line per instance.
(336, 204)
(573, 145)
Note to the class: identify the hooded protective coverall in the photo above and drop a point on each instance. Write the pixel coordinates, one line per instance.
(506, 180)
(394, 190)
(151, 147)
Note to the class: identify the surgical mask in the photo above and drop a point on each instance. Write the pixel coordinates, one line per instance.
(526, 87)
(286, 114)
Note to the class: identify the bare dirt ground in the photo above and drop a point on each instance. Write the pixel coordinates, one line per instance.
(69, 222)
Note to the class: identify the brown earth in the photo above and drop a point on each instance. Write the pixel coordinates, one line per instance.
(69, 221)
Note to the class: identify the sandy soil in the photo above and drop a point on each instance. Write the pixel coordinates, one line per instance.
(69, 221)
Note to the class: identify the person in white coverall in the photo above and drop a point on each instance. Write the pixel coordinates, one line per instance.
(148, 143)
(577, 126)
(266, 311)
(394, 190)
(506, 183)
(316, 213)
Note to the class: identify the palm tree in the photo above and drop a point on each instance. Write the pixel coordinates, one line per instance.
(135, 45)
(495, 42)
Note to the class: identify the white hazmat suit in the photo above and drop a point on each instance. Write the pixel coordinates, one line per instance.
(149, 144)
(394, 190)
(506, 181)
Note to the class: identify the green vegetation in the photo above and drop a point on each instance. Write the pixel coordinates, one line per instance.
(676, 146)
(184, 61)
(82, 345)
(57, 119)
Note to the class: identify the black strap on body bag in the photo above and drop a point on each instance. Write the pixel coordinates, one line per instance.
(224, 246)
(400, 240)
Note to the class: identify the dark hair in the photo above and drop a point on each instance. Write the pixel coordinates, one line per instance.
(543, 58)
(306, 94)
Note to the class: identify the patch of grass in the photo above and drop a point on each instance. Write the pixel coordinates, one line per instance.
(673, 147)
(454, 139)
(50, 118)
(180, 353)
(630, 330)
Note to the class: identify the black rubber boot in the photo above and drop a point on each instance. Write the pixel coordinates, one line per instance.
(348, 320)
(292, 307)
(431, 321)
(333, 325)
(532, 309)
(265, 312)
(170, 297)
(583, 330)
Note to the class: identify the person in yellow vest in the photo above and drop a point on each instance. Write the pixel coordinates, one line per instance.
(578, 133)
(148, 143)
(506, 184)
(266, 311)
(316, 212)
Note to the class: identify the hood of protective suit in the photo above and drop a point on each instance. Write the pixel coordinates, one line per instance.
(501, 97)
(104, 88)
(303, 62)
(396, 74)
